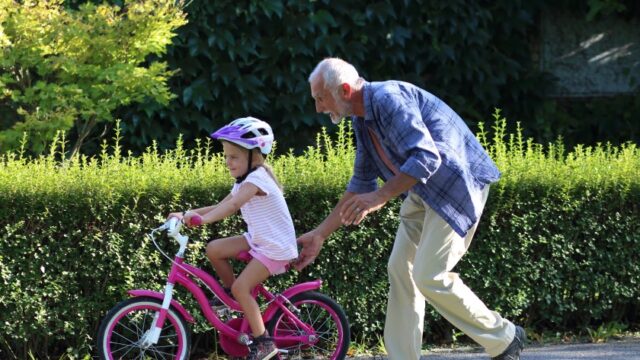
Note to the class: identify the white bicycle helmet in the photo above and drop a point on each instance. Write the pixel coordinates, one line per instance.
(248, 132)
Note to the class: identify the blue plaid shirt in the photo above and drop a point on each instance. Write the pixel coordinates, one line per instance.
(426, 139)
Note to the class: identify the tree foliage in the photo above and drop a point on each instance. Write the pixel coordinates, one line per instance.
(62, 68)
(253, 57)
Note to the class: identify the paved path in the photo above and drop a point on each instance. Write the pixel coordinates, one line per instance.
(614, 350)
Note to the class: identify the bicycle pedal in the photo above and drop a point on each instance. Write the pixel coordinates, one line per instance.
(222, 311)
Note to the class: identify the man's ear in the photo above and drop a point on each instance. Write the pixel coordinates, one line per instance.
(346, 90)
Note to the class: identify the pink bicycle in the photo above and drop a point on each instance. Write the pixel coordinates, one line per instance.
(304, 323)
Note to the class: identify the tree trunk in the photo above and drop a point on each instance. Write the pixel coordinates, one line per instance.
(82, 135)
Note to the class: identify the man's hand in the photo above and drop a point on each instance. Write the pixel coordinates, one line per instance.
(355, 209)
(311, 245)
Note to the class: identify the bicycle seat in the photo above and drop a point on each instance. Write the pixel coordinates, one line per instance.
(244, 256)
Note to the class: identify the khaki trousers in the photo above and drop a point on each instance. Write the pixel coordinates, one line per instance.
(425, 251)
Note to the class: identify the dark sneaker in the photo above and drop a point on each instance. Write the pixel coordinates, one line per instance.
(515, 348)
(262, 348)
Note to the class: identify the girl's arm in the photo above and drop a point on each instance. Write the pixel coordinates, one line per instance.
(202, 211)
(231, 204)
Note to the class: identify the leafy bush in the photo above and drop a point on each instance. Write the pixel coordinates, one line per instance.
(557, 247)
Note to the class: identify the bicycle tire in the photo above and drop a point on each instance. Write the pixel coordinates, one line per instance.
(330, 324)
(118, 339)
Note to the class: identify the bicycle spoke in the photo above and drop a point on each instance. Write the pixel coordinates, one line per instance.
(161, 353)
(154, 353)
(131, 344)
(126, 347)
(128, 351)
(129, 329)
(133, 326)
(144, 320)
(122, 336)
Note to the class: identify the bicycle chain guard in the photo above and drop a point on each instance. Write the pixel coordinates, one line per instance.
(230, 345)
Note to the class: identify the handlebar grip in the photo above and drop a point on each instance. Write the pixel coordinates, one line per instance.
(196, 220)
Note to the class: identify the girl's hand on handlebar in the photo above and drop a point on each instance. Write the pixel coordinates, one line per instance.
(177, 215)
(192, 219)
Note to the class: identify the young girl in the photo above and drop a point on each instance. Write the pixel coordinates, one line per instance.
(270, 238)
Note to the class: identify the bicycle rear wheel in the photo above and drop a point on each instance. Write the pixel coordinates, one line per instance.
(328, 321)
(122, 330)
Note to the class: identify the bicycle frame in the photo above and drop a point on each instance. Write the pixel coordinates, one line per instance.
(181, 274)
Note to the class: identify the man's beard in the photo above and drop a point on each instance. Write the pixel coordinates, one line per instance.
(335, 118)
(344, 110)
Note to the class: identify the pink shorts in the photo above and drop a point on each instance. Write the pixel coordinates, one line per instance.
(275, 267)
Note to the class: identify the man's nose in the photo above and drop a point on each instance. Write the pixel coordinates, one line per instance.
(318, 107)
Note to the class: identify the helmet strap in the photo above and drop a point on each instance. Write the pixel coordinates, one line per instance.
(240, 179)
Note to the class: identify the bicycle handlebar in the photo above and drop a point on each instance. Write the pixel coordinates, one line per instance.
(196, 220)
(172, 226)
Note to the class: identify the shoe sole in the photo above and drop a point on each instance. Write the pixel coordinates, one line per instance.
(272, 354)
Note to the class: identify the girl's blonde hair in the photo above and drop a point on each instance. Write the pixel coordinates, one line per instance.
(267, 167)
(269, 170)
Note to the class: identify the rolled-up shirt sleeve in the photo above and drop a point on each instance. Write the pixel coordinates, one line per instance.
(365, 173)
(412, 140)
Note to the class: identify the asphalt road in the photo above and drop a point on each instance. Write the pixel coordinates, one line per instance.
(614, 350)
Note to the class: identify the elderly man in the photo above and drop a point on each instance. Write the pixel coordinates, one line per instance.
(424, 151)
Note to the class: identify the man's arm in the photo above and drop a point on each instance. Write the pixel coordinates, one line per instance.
(355, 208)
(313, 240)
(351, 209)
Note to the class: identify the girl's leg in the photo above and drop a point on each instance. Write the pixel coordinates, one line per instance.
(220, 251)
(252, 275)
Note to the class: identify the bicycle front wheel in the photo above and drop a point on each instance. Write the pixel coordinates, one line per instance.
(328, 321)
(122, 330)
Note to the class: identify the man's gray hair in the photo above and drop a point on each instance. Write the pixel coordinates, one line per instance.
(335, 72)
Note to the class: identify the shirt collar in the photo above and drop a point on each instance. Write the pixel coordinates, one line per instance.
(366, 97)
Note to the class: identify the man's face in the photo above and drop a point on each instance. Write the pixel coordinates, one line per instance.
(337, 109)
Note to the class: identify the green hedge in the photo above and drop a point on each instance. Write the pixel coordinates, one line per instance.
(557, 248)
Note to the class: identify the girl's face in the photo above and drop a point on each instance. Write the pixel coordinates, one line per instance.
(236, 159)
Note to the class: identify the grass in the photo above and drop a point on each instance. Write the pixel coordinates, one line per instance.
(364, 347)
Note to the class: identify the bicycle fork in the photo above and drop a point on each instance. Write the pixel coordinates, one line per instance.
(152, 335)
